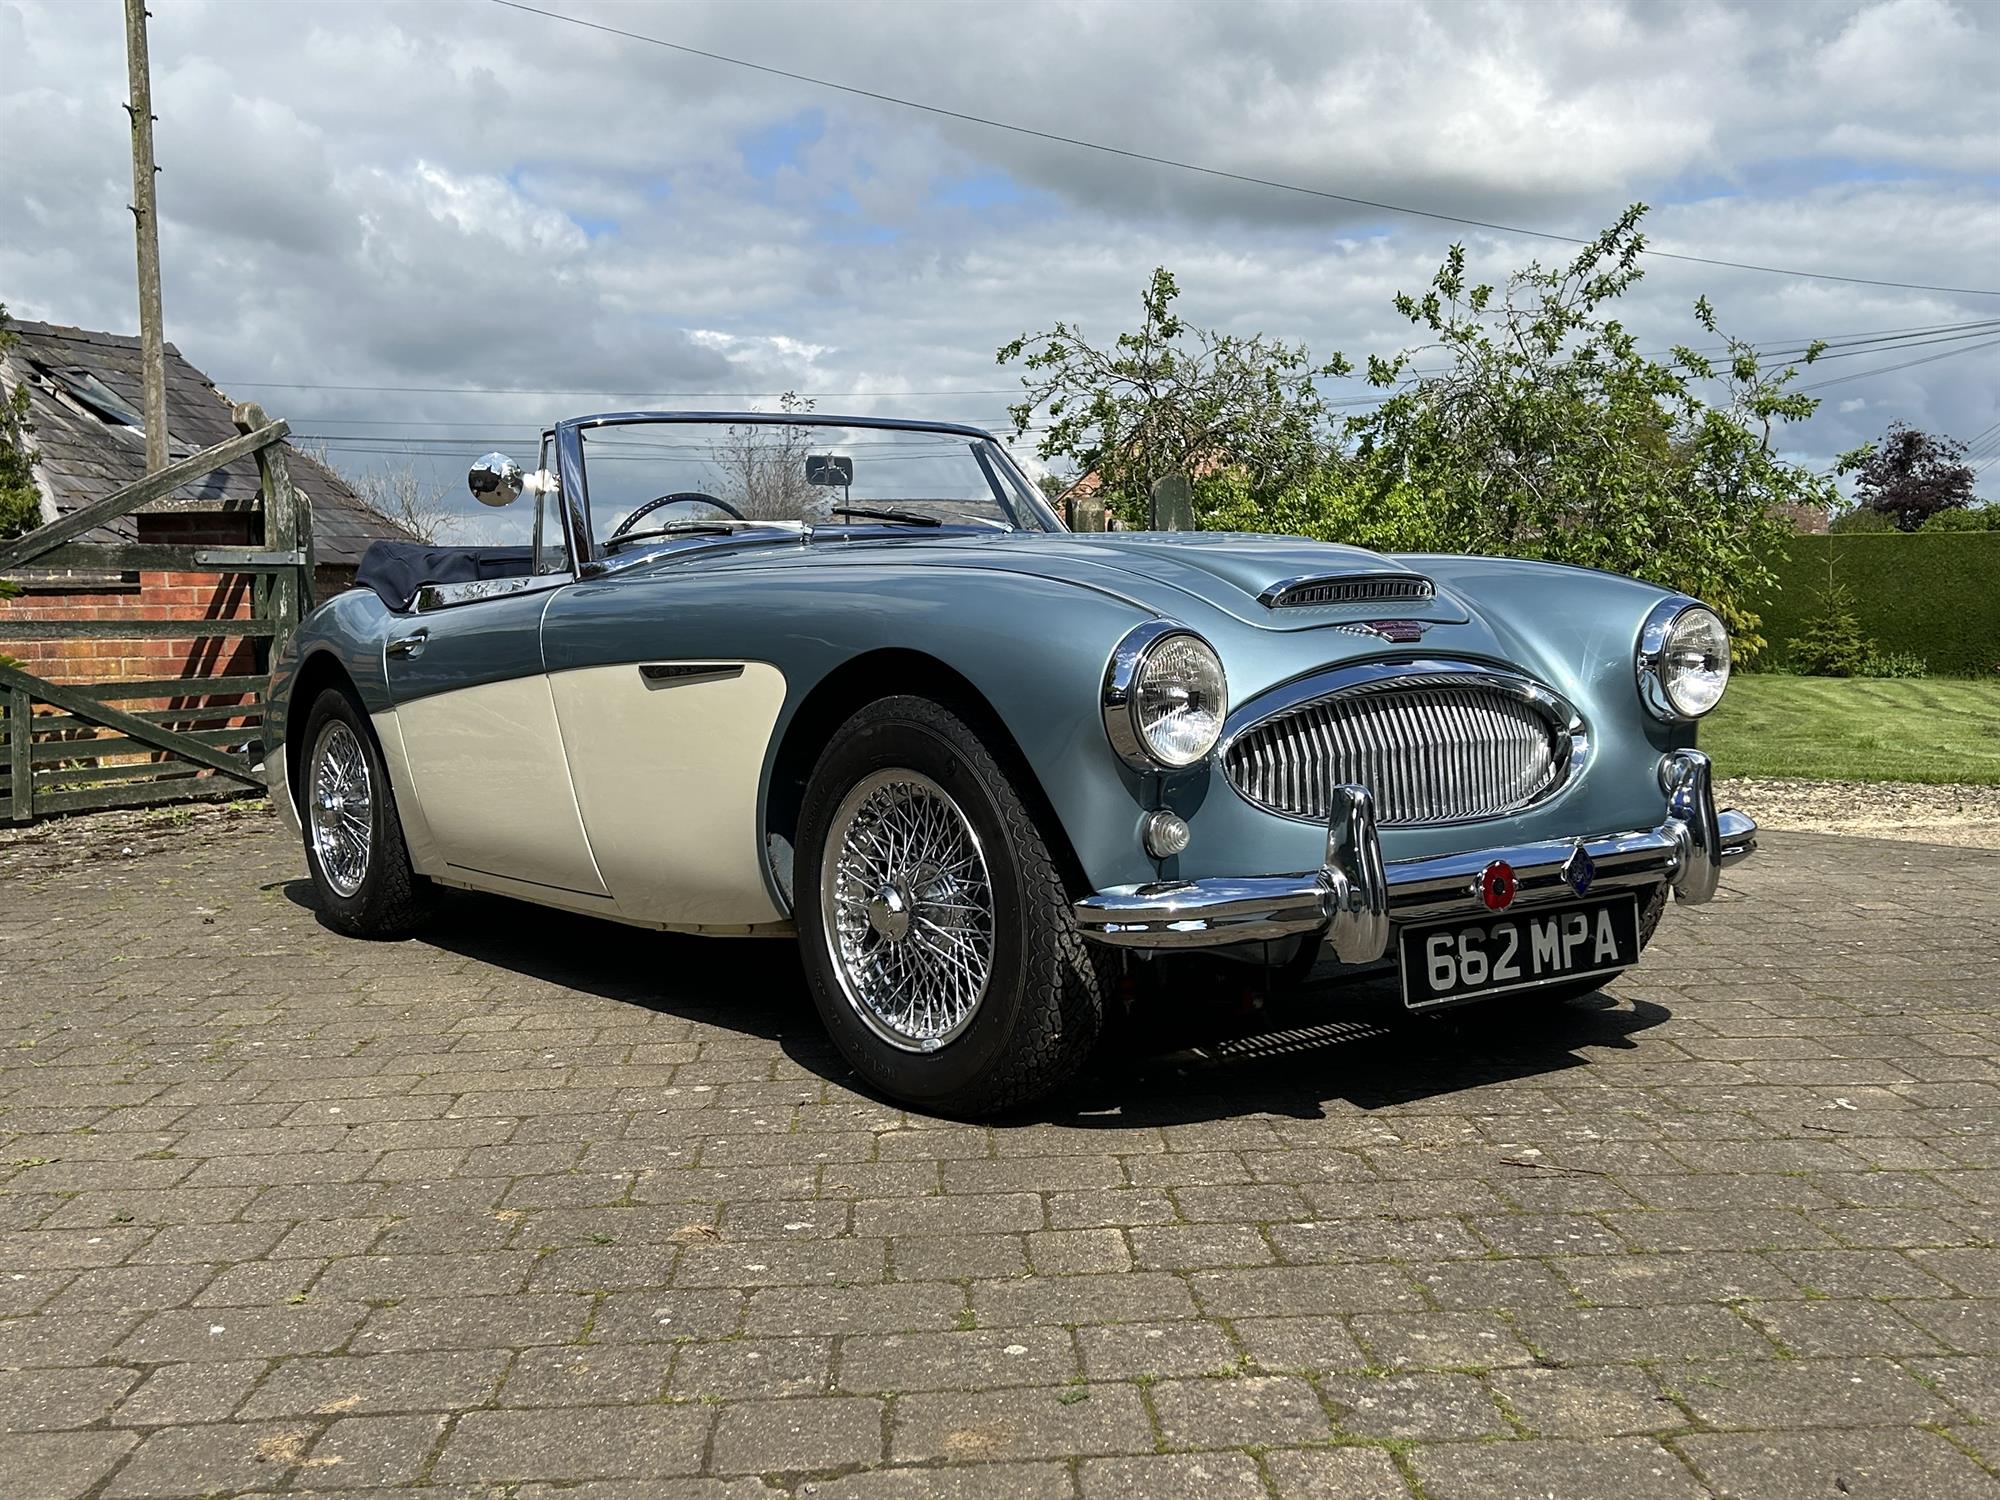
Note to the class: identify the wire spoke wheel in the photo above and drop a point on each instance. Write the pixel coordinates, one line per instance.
(342, 807)
(908, 910)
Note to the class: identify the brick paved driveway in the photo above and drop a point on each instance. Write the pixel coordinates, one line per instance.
(542, 1202)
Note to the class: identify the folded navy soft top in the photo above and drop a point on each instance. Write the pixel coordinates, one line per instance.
(396, 570)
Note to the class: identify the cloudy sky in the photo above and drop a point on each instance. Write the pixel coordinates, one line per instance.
(359, 196)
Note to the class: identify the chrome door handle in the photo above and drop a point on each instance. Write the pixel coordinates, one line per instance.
(409, 645)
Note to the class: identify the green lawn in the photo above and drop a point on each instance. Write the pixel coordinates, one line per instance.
(1857, 729)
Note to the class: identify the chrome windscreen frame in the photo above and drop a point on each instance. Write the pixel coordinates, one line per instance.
(586, 555)
(1361, 678)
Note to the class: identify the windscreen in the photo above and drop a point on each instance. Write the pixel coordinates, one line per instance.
(647, 475)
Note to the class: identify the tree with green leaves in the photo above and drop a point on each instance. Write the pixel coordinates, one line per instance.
(1170, 398)
(20, 500)
(1831, 642)
(1548, 434)
(1977, 517)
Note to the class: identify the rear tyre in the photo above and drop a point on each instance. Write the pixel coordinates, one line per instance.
(934, 924)
(354, 840)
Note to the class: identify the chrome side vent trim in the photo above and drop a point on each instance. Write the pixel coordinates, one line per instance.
(1349, 588)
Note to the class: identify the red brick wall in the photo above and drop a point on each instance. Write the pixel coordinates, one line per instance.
(156, 596)
(159, 596)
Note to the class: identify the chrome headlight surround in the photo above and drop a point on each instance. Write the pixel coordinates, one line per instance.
(1122, 699)
(1673, 628)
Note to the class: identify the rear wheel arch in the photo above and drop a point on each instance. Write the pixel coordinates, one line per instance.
(897, 672)
(318, 672)
(355, 851)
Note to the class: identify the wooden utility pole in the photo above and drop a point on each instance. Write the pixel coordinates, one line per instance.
(146, 227)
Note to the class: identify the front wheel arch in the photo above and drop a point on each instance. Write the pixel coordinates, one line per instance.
(897, 672)
(1041, 1003)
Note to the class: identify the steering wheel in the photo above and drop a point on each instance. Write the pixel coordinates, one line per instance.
(679, 497)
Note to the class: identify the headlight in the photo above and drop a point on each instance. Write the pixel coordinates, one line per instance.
(1165, 697)
(1683, 659)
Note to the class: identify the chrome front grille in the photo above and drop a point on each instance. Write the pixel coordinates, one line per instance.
(1442, 748)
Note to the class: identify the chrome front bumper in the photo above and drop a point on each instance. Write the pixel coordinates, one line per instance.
(1353, 899)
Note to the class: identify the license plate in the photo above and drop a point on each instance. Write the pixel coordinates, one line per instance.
(1464, 959)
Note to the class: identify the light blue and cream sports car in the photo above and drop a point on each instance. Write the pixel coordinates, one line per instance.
(850, 680)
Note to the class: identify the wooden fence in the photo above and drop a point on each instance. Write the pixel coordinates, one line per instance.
(74, 748)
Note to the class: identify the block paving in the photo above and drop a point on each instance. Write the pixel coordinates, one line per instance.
(536, 1207)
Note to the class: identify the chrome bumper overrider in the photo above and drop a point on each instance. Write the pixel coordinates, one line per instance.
(1355, 896)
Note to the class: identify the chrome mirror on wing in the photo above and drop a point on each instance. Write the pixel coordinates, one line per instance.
(495, 480)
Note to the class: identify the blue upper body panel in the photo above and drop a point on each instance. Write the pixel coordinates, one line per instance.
(1030, 620)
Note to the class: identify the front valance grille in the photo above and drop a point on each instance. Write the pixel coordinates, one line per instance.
(1435, 750)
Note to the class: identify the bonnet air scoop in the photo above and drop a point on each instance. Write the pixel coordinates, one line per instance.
(1399, 587)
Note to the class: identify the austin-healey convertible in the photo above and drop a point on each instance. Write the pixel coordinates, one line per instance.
(850, 679)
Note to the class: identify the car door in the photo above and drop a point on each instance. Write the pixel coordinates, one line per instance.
(479, 731)
(667, 749)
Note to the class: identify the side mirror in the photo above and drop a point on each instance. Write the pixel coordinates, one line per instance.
(494, 480)
(824, 468)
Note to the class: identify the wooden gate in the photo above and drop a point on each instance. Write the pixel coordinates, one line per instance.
(82, 751)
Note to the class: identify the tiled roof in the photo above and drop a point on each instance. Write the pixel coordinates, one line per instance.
(84, 457)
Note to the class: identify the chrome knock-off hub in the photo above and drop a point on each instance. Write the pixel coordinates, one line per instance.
(889, 913)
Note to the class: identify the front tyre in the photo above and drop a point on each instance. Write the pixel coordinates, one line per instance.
(354, 839)
(934, 925)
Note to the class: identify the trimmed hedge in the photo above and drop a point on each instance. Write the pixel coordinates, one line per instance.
(1935, 595)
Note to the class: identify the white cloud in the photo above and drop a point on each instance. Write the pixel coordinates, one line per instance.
(459, 195)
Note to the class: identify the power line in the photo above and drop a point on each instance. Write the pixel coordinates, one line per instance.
(1981, 444)
(495, 390)
(483, 430)
(1905, 365)
(1869, 333)
(1765, 353)
(1909, 337)
(1885, 346)
(1783, 348)
(1217, 172)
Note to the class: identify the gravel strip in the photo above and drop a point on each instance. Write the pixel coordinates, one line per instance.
(1968, 816)
(58, 845)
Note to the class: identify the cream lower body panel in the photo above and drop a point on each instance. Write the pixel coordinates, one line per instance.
(667, 772)
(425, 857)
(493, 787)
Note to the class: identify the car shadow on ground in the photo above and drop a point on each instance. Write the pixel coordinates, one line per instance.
(750, 985)
(1186, 1060)
(1205, 1053)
